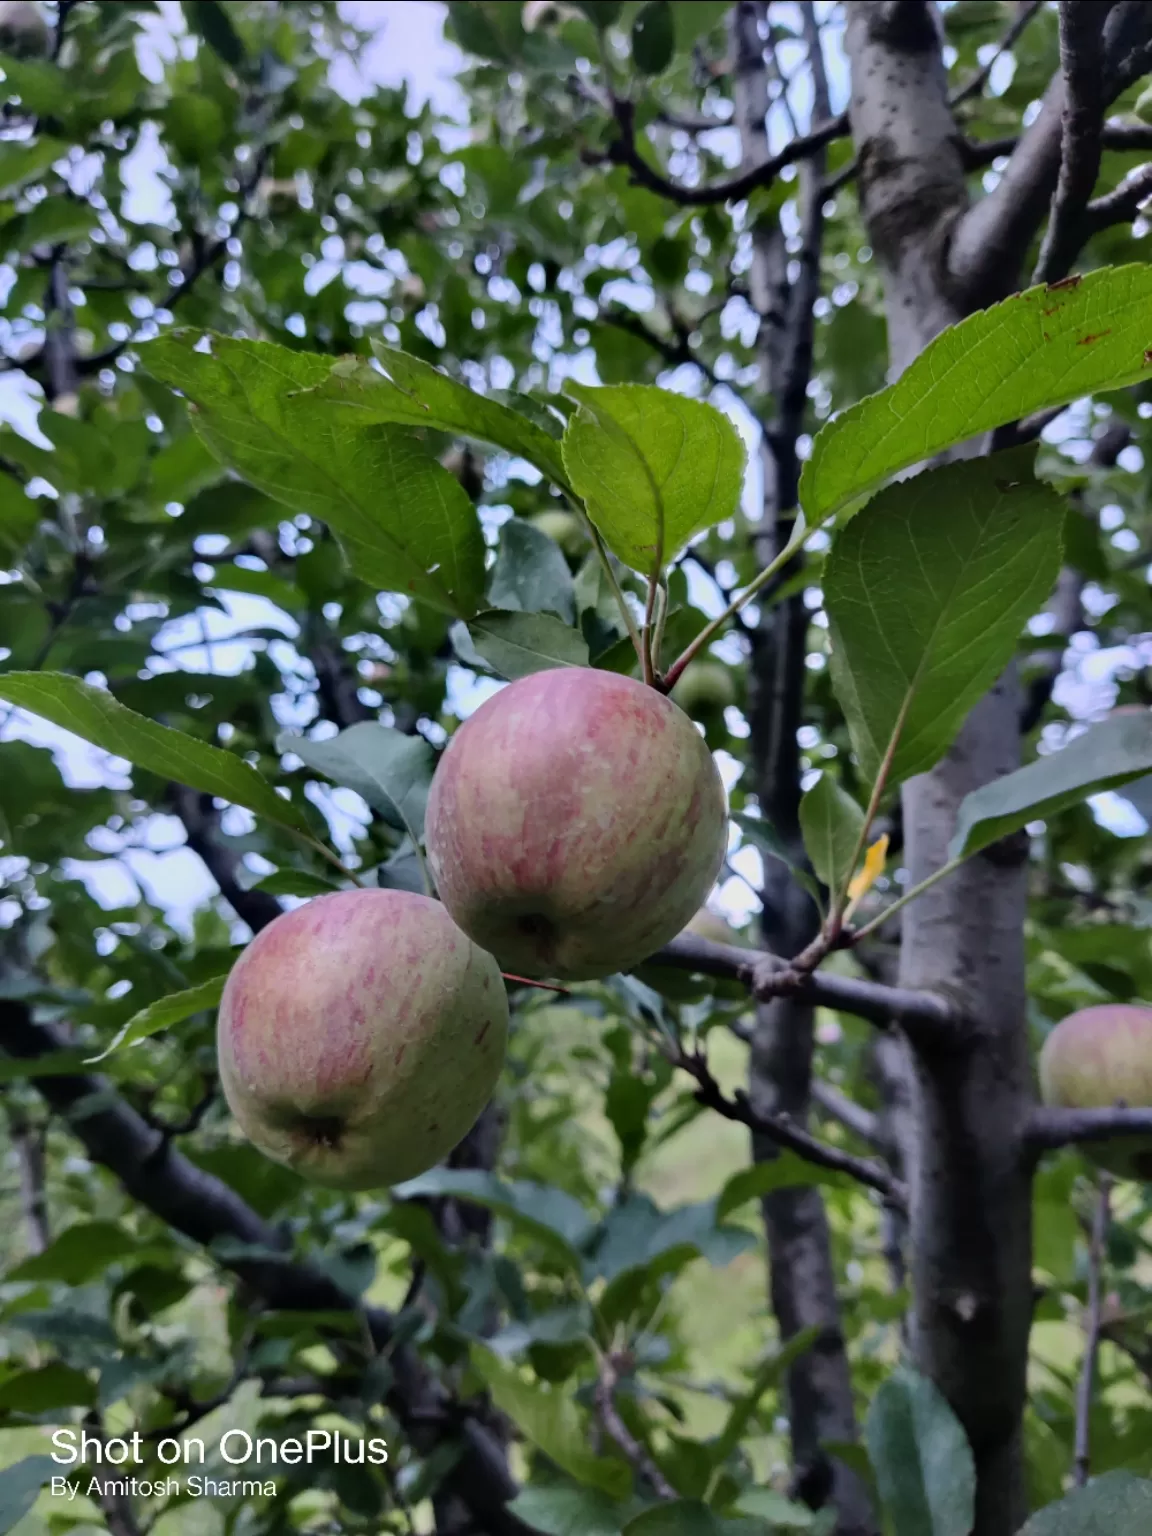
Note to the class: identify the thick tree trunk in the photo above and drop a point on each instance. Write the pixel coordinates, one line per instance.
(971, 1206)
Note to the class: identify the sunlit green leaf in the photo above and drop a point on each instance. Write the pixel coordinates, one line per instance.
(516, 644)
(96, 716)
(1106, 756)
(406, 522)
(928, 590)
(832, 823)
(390, 770)
(548, 1418)
(1044, 347)
(654, 468)
(411, 393)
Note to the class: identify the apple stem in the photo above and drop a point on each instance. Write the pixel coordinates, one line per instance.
(606, 564)
(332, 858)
(525, 981)
(710, 631)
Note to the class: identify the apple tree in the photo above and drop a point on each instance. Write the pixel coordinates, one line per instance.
(787, 362)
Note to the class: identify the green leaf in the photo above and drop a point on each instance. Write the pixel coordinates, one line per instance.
(45, 1389)
(211, 21)
(767, 1374)
(230, 577)
(55, 1064)
(653, 468)
(688, 1517)
(390, 770)
(601, 13)
(781, 1514)
(406, 523)
(1117, 1504)
(475, 32)
(20, 1487)
(1108, 755)
(1041, 348)
(922, 1459)
(531, 574)
(552, 1215)
(196, 126)
(550, 1420)
(516, 644)
(832, 824)
(78, 1254)
(563, 1511)
(53, 221)
(637, 1235)
(411, 393)
(693, 18)
(787, 1171)
(43, 88)
(296, 882)
(27, 160)
(927, 592)
(173, 1009)
(19, 515)
(96, 716)
(653, 38)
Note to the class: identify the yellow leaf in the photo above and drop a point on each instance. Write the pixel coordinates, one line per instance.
(874, 861)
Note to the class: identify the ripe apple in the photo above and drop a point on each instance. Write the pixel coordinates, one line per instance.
(575, 823)
(359, 1037)
(1098, 1058)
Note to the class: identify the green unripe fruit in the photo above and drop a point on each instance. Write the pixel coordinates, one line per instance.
(704, 688)
(563, 528)
(1099, 1058)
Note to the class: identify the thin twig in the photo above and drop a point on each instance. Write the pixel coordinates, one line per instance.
(852, 1116)
(1096, 1252)
(1082, 60)
(1121, 206)
(623, 151)
(783, 1129)
(977, 82)
(609, 1416)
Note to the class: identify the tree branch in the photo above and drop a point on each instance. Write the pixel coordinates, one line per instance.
(202, 830)
(1082, 62)
(623, 151)
(927, 1019)
(1081, 1465)
(205, 1210)
(604, 1396)
(852, 1116)
(1120, 206)
(783, 1129)
(989, 242)
(1048, 1130)
(1067, 607)
(973, 86)
(28, 1142)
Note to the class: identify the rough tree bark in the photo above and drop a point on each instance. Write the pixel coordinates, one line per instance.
(971, 1206)
(803, 1284)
